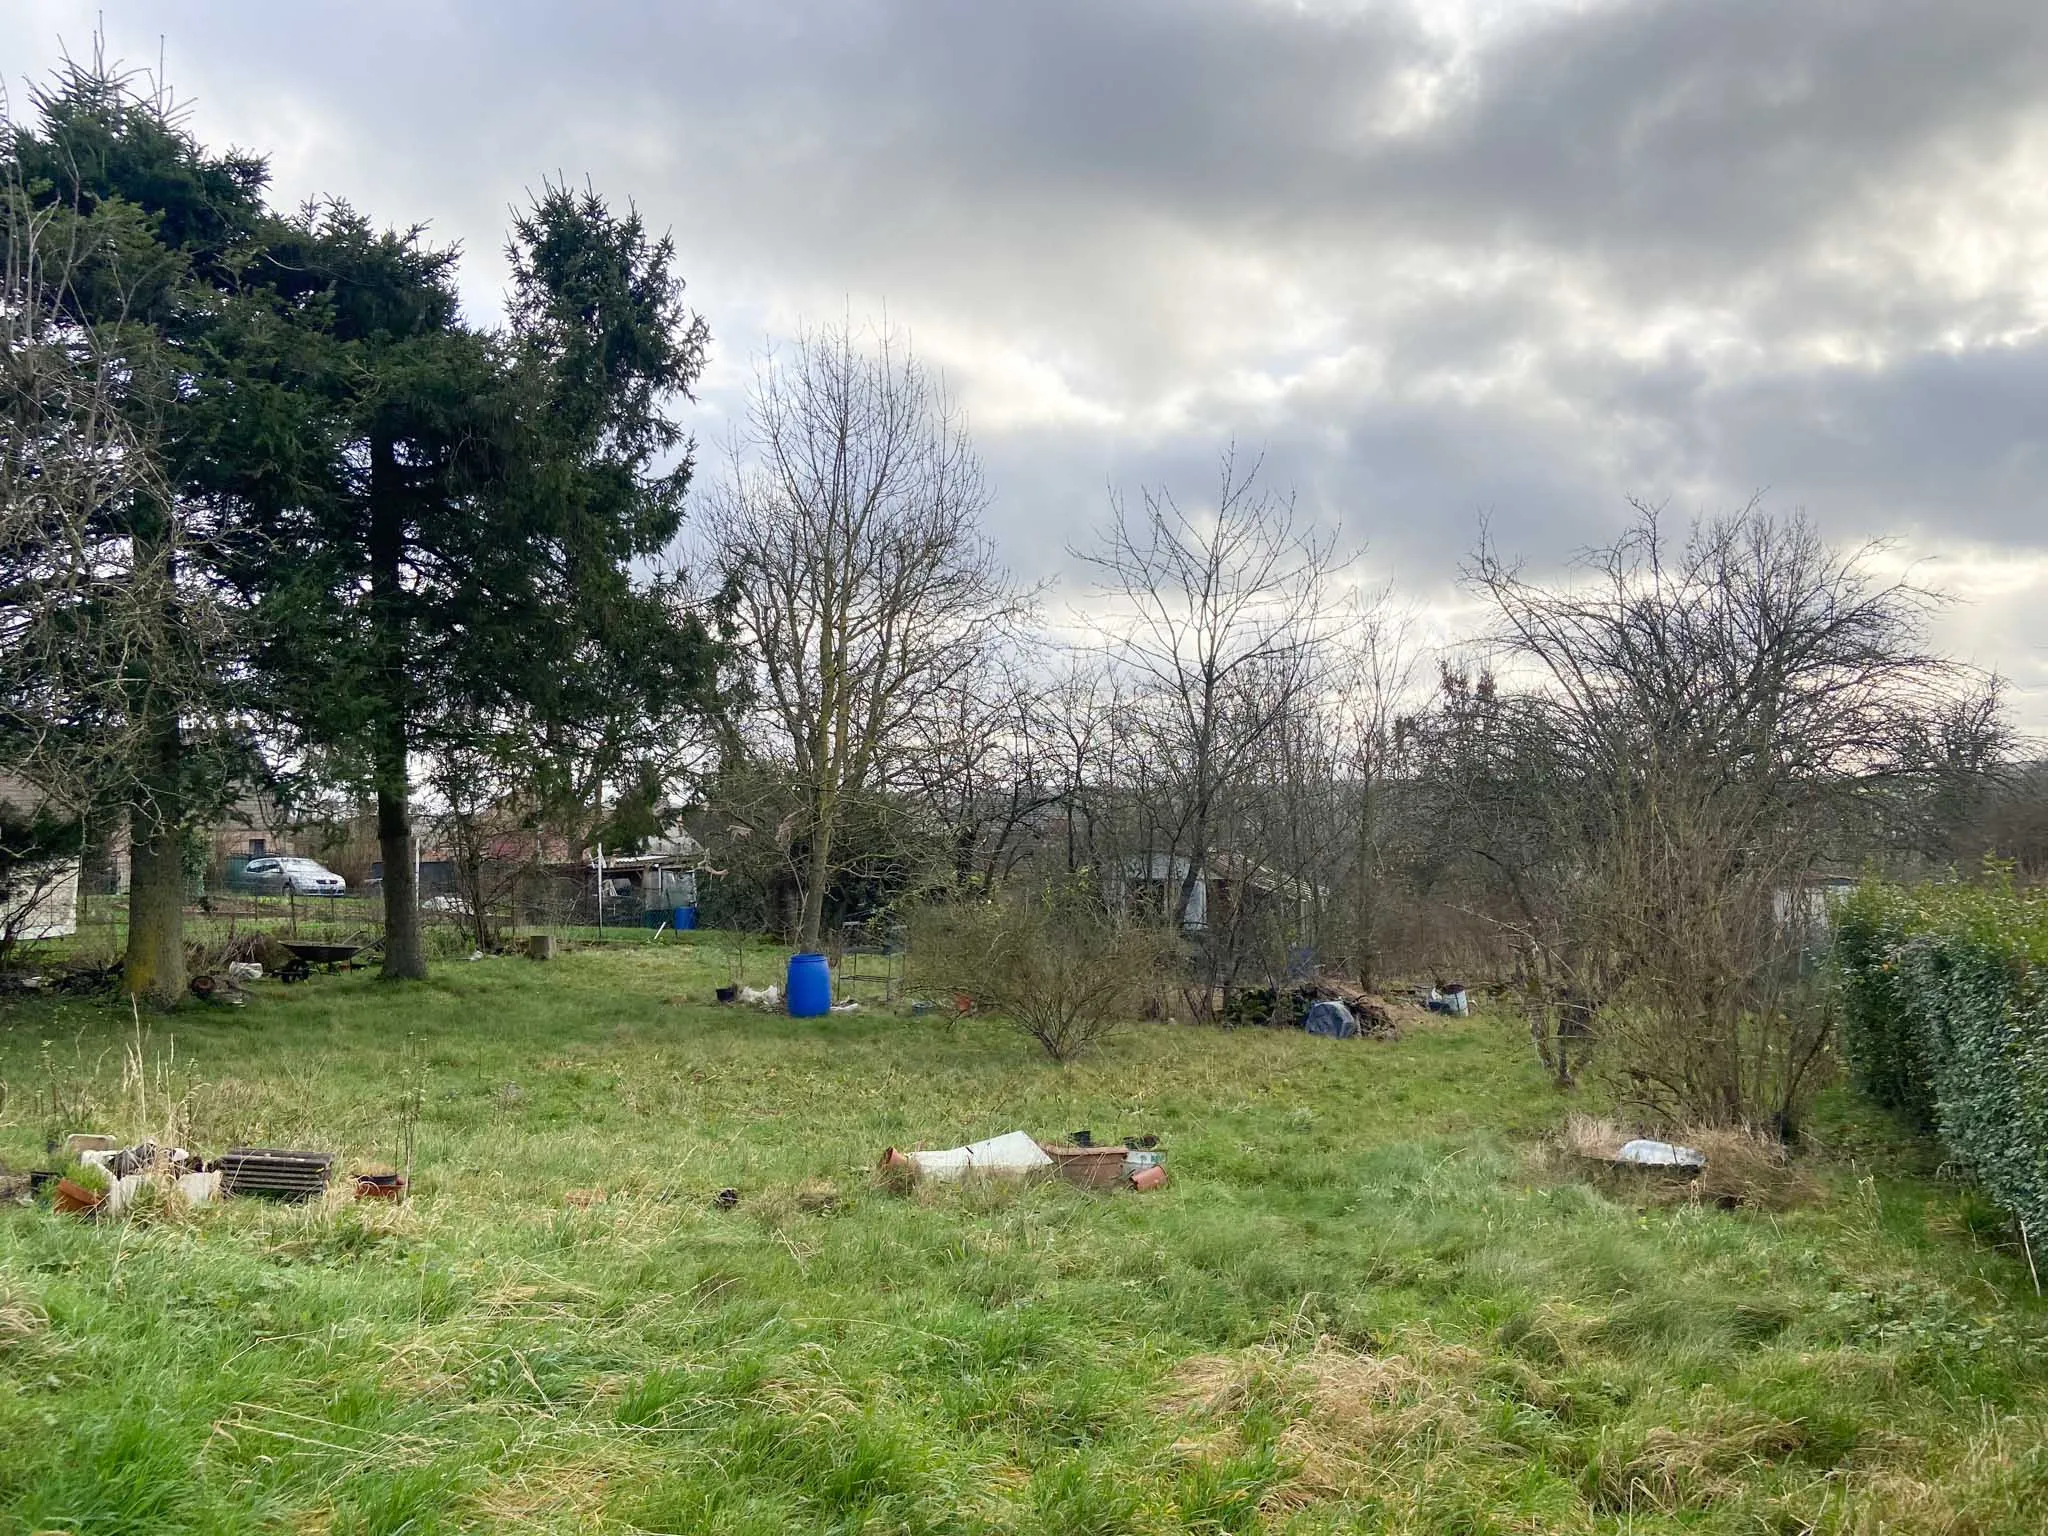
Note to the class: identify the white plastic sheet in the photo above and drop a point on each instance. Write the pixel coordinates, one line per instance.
(1014, 1152)
(1660, 1154)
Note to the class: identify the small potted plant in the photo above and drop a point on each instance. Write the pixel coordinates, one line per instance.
(81, 1190)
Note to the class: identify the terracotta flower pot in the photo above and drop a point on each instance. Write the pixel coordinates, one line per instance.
(75, 1199)
(1148, 1178)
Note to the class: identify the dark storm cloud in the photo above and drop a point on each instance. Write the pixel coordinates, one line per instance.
(1512, 258)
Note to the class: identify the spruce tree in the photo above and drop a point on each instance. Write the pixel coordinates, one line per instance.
(125, 243)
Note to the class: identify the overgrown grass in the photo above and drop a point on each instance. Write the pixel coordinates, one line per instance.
(1361, 1304)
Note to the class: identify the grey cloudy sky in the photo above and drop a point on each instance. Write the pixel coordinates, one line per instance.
(1513, 259)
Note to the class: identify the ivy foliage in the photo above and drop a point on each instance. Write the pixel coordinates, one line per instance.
(1945, 1018)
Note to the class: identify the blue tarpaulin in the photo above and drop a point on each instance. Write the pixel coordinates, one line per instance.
(1332, 1019)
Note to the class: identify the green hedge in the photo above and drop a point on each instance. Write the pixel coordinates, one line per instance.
(1945, 1017)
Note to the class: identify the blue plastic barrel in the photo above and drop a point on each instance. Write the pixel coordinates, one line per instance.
(686, 918)
(810, 986)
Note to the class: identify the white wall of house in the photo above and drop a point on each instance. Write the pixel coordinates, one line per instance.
(44, 906)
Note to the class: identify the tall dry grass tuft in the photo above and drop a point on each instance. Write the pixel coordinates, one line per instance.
(1349, 1420)
(1688, 1466)
(20, 1319)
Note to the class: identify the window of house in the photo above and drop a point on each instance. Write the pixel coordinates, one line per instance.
(255, 846)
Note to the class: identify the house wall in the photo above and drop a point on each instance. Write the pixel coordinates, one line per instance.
(48, 912)
(1156, 883)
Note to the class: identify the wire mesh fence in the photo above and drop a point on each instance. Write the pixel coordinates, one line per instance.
(572, 912)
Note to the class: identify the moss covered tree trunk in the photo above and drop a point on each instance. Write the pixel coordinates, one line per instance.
(154, 969)
(405, 956)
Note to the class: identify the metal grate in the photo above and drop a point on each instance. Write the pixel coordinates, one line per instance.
(275, 1173)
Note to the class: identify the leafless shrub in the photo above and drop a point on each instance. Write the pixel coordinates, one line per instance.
(1696, 729)
(1065, 971)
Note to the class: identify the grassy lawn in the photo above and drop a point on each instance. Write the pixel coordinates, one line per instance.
(1361, 1303)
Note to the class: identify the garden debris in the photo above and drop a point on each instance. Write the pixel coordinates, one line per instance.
(1079, 1161)
(1660, 1154)
(144, 1157)
(244, 970)
(1601, 1141)
(74, 1199)
(1015, 1152)
(74, 977)
(276, 1173)
(1728, 1168)
(380, 1186)
(583, 1199)
(1289, 1007)
(200, 1188)
(1448, 997)
(726, 1199)
(1090, 1166)
(768, 998)
(80, 1142)
(1331, 1019)
(210, 988)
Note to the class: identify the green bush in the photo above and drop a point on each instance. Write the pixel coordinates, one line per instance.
(1879, 1036)
(1945, 1018)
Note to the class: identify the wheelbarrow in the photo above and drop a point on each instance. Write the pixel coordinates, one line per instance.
(330, 957)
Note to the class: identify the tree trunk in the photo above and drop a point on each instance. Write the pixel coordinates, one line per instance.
(154, 967)
(1368, 891)
(154, 971)
(812, 923)
(405, 957)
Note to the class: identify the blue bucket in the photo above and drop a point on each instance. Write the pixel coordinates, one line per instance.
(810, 986)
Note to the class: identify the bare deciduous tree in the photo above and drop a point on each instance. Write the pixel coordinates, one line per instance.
(849, 544)
(1709, 722)
(1217, 622)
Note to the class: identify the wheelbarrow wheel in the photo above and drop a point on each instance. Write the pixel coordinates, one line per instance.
(296, 970)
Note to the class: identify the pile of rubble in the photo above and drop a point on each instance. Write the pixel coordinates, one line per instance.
(1322, 1005)
(103, 1178)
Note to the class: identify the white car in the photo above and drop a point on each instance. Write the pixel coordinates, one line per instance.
(304, 877)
